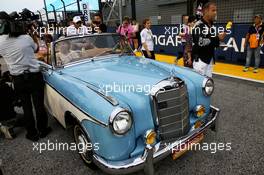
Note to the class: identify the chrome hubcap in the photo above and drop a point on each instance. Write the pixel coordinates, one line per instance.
(82, 144)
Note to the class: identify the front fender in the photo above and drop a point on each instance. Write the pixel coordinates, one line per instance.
(80, 96)
(111, 147)
(93, 106)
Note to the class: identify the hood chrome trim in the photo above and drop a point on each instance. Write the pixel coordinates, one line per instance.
(113, 101)
(108, 98)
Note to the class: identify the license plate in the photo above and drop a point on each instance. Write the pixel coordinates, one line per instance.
(187, 146)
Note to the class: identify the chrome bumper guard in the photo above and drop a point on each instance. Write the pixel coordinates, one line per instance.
(153, 154)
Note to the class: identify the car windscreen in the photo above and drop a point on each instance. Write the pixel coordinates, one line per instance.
(75, 49)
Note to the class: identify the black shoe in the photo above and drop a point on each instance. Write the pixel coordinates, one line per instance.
(33, 138)
(44, 133)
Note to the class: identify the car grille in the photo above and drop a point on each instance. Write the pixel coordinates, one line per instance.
(172, 110)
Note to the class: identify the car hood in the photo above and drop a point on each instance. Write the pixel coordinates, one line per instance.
(118, 72)
(128, 79)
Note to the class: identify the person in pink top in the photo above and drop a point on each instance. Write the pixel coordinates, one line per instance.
(127, 30)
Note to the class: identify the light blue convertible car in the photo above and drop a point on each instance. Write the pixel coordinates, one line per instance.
(127, 112)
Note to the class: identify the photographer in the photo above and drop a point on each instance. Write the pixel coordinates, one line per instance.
(97, 24)
(17, 47)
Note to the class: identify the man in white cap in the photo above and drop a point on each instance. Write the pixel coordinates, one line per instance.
(77, 28)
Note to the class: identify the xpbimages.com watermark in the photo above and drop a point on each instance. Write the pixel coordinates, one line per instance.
(170, 35)
(172, 31)
(181, 29)
(211, 147)
(65, 31)
(82, 148)
(128, 88)
(60, 146)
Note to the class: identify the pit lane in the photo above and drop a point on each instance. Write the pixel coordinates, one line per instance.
(241, 123)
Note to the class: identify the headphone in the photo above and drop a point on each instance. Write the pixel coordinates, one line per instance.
(4, 25)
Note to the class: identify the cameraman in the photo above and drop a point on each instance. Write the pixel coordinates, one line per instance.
(18, 51)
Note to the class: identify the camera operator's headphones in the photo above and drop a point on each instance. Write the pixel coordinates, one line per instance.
(4, 24)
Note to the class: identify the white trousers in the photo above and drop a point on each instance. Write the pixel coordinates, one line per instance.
(203, 68)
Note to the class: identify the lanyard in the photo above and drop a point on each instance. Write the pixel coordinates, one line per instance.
(258, 28)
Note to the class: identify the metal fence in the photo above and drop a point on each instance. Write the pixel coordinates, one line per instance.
(238, 11)
(170, 11)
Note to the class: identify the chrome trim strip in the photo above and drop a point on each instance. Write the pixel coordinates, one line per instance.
(93, 119)
(171, 131)
(164, 117)
(153, 92)
(155, 115)
(161, 85)
(87, 60)
(94, 88)
(138, 163)
(163, 109)
(169, 99)
(108, 98)
(173, 123)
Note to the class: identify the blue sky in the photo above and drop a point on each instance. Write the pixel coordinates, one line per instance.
(17, 5)
(34, 5)
(58, 4)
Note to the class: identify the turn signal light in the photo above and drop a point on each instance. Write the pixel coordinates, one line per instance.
(199, 110)
(150, 137)
(198, 124)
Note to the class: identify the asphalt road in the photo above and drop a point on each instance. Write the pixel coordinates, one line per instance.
(241, 124)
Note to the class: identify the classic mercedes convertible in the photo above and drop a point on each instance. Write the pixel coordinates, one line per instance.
(131, 111)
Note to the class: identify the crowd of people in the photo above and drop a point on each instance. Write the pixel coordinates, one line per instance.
(136, 35)
(19, 54)
(201, 57)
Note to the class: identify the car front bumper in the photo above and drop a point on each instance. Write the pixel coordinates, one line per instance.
(153, 154)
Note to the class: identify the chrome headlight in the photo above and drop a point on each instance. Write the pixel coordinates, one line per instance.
(208, 86)
(120, 121)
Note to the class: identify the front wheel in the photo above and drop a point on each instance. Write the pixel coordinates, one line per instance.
(84, 146)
